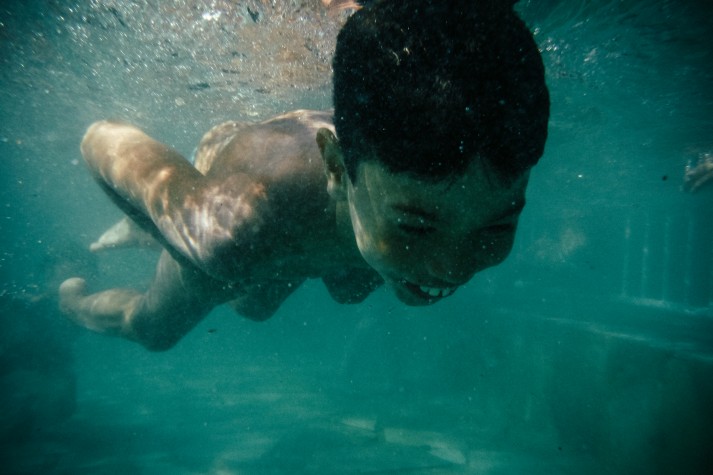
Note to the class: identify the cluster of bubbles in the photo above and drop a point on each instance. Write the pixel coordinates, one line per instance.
(148, 58)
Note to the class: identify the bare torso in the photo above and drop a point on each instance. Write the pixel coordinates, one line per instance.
(253, 215)
(296, 233)
(293, 232)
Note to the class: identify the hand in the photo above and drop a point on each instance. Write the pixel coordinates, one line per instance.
(700, 174)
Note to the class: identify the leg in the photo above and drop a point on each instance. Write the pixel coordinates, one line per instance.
(179, 297)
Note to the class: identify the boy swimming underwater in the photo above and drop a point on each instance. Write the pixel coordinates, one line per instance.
(416, 180)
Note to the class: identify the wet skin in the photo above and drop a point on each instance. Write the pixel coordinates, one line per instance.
(254, 213)
(427, 238)
(270, 205)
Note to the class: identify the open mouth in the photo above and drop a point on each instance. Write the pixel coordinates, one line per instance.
(429, 293)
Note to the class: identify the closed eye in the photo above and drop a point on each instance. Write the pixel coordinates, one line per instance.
(416, 230)
(499, 228)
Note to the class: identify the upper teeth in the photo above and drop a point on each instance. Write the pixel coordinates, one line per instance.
(436, 292)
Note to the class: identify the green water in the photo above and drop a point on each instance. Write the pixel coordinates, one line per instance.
(588, 351)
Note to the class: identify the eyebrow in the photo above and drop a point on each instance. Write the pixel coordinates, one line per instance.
(515, 208)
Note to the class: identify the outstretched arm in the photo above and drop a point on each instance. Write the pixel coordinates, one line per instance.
(700, 174)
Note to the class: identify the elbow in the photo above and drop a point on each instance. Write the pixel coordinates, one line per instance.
(90, 138)
(104, 135)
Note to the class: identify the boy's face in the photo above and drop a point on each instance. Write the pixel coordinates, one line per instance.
(427, 238)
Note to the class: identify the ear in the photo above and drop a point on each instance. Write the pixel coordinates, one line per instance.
(333, 164)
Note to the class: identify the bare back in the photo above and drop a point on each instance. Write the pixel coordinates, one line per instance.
(283, 181)
(253, 215)
(282, 154)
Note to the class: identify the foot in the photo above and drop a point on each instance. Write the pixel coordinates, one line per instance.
(115, 236)
(123, 234)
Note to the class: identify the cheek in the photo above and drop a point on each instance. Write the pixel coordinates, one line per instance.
(371, 244)
(380, 247)
(383, 251)
(493, 250)
(361, 228)
(374, 241)
(374, 249)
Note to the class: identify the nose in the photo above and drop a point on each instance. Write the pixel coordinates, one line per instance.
(451, 266)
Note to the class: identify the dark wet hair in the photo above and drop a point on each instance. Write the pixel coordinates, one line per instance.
(430, 85)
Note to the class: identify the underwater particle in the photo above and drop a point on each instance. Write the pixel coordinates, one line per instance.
(211, 15)
(118, 16)
(198, 86)
(664, 178)
(254, 15)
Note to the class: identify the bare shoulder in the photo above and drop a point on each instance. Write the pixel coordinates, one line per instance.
(214, 141)
(271, 150)
(302, 121)
(267, 183)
